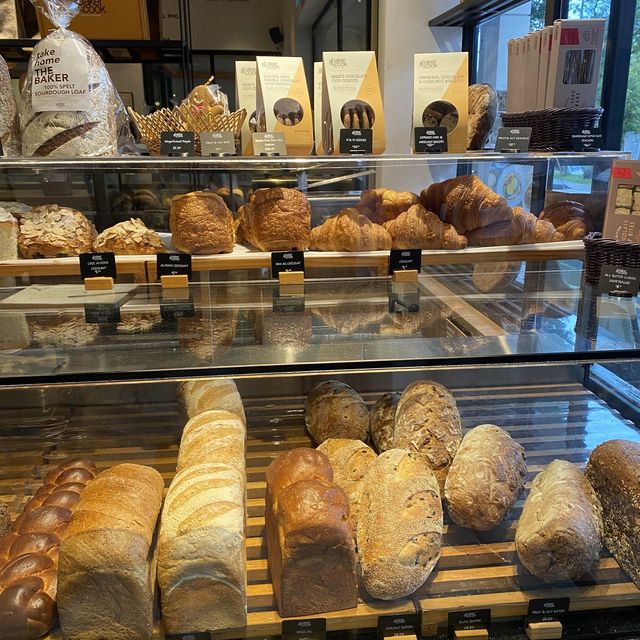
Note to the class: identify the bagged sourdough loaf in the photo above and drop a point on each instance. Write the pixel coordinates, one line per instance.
(559, 534)
(614, 472)
(9, 124)
(69, 106)
(310, 544)
(400, 525)
(107, 568)
(485, 479)
(198, 396)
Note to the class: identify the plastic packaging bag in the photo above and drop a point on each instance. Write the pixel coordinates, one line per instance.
(207, 96)
(69, 105)
(9, 126)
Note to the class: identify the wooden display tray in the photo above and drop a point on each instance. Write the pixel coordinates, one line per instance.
(475, 570)
(144, 267)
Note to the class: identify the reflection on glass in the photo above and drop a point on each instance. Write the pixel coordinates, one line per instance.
(325, 31)
(355, 25)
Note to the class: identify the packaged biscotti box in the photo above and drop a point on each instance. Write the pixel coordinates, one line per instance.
(246, 99)
(441, 95)
(622, 217)
(317, 107)
(282, 102)
(351, 98)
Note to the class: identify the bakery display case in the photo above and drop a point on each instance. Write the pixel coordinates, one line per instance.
(159, 390)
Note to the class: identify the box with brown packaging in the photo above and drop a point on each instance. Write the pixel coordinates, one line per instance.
(441, 95)
(246, 99)
(622, 217)
(351, 98)
(282, 102)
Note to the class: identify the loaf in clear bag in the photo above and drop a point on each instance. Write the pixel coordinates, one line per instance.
(9, 127)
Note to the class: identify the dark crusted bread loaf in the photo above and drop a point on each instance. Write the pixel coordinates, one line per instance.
(310, 545)
(614, 472)
(382, 418)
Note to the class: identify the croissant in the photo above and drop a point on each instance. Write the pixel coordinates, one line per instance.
(382, 205)
(466, 203)
(570, 218)
(350, 230)
(418, 228)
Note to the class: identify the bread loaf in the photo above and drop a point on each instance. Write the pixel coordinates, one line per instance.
(614, 472)
(349, 230)
(334, 410)
(486, 477)
(8, 236)
(427, 421)
(400, 526)
(5, 520)
(350, 460)
(483, 110)
(383, 417)
(9, 124)
(198, 396)
(310, 545)
(29, 553)
(213, 437)
(107, 568)
(560, 530)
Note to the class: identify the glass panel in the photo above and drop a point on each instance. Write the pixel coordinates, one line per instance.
(355, 25)
(325, 32)
(631, 141)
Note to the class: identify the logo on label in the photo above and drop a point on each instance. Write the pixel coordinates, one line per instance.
(92, 7)
(270, 65)
(248, 71)
(338, 62)
(428, 64)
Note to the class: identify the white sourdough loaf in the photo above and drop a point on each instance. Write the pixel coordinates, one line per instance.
(485, 479)
(107, 566)
(560, 530)
(198, 396)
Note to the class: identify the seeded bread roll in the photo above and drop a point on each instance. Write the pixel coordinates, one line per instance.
(383, 417)
(350, 461)
(427, 421)
(400, 526)
(614, 472)
(334, 410)
(485, 479)
(560, 529)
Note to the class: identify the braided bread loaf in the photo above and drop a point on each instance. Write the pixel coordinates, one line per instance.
(29, 553)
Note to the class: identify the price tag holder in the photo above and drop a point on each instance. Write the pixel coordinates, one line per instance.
(400, 625)
(177, 143)
(476, 620)
(314, 629)
(173, 264)
(430, 140)
(269, 144)
(195, 635)
(619, 281)
(513, 140)
(217, 143)
(547, 609)
(98, 265)
(356, 142)
(405, 260)
(285, 261)
(584, 139)
(102, 312)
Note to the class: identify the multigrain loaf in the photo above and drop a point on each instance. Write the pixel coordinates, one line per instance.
(310, 544)
(427, 421)
(486, 477)
(334, 410)
(559, 534)
(382, 419)
(614, 472)
(107, 567)
(350, 461)
(400, 526)
(198, 396)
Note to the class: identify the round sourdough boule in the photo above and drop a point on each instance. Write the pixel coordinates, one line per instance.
(486, 477)
(383, 416)
(334, 410)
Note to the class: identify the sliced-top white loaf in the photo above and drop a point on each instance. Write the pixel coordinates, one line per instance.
(198, 396)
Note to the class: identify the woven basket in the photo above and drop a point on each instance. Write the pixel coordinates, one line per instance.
(600, 252)
(551, 128)
(182, 119)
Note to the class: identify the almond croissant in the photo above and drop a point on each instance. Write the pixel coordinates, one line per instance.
(382, 205)
(418, 228)
(349, 230)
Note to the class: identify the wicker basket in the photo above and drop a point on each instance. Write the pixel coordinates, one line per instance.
(183, 119)
(600, 252)
(551, 128)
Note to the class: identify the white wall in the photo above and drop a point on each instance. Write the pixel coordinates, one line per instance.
(128, 77)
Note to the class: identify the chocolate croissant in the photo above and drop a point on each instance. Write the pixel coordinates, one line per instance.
(350, 230)
(570, 218)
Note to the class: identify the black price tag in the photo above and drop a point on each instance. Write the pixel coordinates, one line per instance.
(513, 140)
(430, 140)
(288, 302)
(173, 264)
(469, 620)
(286, 261)
(194, 635)
(619, 281)
(177, 143)
(98, 265)
(400, 625)
(175, 309)
(586, 139)
(405, 260)
(269, 144)
(314, 629)
(217, 143)
(547, 609)
(356, 142)
(102, 312)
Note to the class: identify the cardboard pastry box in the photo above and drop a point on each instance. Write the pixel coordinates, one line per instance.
(246, 99)
(622, 217)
